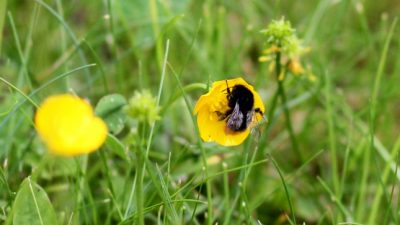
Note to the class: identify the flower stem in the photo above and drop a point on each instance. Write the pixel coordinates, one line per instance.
(282, 94)
(273, 107)
(140, 166)
(139, 192)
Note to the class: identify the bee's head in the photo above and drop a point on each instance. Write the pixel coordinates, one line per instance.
(241, 95)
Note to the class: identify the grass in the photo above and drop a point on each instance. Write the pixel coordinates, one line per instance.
(328, 153)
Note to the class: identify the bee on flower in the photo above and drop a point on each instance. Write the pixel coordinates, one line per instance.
(68, 126)
(228, 111)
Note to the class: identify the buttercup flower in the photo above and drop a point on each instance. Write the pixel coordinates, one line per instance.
(228, 111)
(68, 126)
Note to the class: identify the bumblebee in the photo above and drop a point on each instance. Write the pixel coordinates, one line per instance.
(227, 112)
(241, 108)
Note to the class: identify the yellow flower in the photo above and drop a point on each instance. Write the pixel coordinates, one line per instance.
(272, 49)
(264, 58)
(228, 111)
(295, 66)
(68, 126)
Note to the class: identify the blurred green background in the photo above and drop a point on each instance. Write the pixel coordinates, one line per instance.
(344, 131)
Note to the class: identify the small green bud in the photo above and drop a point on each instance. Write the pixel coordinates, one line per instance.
(278, 31)
(282, 38)
(280, 34)
(294, 48)
(143, 107)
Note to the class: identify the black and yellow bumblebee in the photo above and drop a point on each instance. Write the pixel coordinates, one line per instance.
(241, 108)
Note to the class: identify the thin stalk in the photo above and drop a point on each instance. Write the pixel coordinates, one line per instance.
(226, 188)
(156, 31)
(273, 106)
(114, 48)
(281, 175)
(63, 41)
(19, 49)
(282, 94)
(203, 156)
(19, 91)
(141, 167)
(139, 188)
(332, 136)
(373, 109)
(3, 6)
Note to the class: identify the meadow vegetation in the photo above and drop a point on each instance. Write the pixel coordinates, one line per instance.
(327, 152)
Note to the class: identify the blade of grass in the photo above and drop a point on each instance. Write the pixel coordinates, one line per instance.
(288, 198)
(373, 108)
(227, 202)
(130, 201)
(282, 94)
(33, 93)
(346, 162)
(203, 153)
(316, 19)
(339, 204)
(384, 176)
(3, 7)
(158, 96)
(69, 32)
(330, 117)
(63, 39)
(20, 53)
(19, 91)
(98, 62)
(392, 211)
(156, 30)
(141, 167)
(159, 183)
(199, 142)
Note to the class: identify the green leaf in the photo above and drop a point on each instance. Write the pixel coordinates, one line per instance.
(116, 146)
(32, 206)
(110, 109)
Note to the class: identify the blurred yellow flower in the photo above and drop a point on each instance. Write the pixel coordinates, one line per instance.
(68, 126)
(295, 66)
(228, 111)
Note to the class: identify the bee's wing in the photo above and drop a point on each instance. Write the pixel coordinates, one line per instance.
(236, 119)
(250, 118)
(255, 124)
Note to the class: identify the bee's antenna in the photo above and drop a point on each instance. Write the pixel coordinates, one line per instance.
(227, 88)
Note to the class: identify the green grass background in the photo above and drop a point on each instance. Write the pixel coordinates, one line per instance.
(346, 123)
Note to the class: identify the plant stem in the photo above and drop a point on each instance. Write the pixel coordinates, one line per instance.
(139, 190)
(282, 94)
(140, 167)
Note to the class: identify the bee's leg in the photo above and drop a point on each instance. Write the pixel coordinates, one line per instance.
(258, 110)
(221, 116)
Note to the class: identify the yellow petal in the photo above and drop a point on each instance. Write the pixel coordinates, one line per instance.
(212, 130)
(295, 67)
